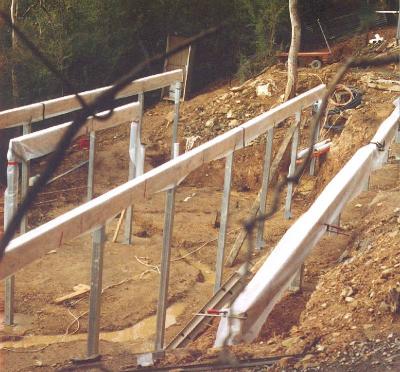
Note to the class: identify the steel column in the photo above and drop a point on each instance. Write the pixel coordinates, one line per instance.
(131, 175)
(398, 27)
(297, 280)
(292, 168)
(10, 206)
(316, 139)
(165, 264)
(224, 222)
(260, 243)
(98, 238)
(26, 129)
(167, 233)
(335, 222)
(92, 151)
(134, 147)
(177, 100)
(366, 183)
(386, 155)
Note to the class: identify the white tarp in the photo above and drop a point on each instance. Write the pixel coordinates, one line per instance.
(43, 142)
(35, 243)
(273, 278)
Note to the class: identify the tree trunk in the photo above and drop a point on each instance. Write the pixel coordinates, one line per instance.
(14, 42)
(294, 50)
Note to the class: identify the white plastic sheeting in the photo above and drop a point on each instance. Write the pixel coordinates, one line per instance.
(47, 109)
(43, 142)
(273, 278)
(89, 216)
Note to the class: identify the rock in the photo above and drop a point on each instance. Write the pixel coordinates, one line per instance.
(346, 292)
(264, 90)
(383, 307)
(349, 299)
(289, 342)
(230, 115)
(319, 347)
(386, 273)
(308, 357)
(38, 363)
(210, 123)
(224, 109)
(200, 277)
(394, 300)
(347, 316)
(170, 117)
(284, 362)
(233, 123)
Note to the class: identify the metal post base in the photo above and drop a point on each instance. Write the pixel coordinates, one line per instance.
(85, 360)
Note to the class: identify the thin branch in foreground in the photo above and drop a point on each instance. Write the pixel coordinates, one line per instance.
(106, 99)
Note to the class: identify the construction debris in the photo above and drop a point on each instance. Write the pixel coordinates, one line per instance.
(121, 218)
(79, 290)
(382, 84)
(377, 39)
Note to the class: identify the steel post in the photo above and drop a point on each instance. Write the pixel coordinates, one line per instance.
(131, 175)
(98, 238)
(92, 151)
(141, 113)
(10, 206)
(26, 129)
(135, 164)
(297, 280)
(386, 156)
(398, 27)
(337, 220)
(224, 222)
(366, 183)
(264, 188)
(165, 264)
(292, 168)
(177, 100)
(316, 139)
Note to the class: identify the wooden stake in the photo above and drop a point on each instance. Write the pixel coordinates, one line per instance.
(121, 218)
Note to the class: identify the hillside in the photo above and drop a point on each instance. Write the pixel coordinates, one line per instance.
(342, 308)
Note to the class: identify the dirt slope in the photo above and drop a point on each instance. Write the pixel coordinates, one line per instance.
(133, 299)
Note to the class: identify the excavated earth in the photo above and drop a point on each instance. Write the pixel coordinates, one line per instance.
(345, 316)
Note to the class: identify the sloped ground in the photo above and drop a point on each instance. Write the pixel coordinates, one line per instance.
(191, 283)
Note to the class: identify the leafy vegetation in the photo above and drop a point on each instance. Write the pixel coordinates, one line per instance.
(93, 41)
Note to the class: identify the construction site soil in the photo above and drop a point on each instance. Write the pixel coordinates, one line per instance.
(348, 300)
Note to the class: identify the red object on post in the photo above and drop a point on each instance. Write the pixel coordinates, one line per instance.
(83, 143)
(216, 311)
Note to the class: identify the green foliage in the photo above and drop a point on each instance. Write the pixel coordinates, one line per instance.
(265, 17)
(93, 41)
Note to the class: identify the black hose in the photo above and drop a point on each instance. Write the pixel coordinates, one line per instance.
(355, 102)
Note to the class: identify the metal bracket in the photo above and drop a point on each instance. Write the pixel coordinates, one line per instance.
(335, 229)
(86, 360)
(380, 146)
(221, 314)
